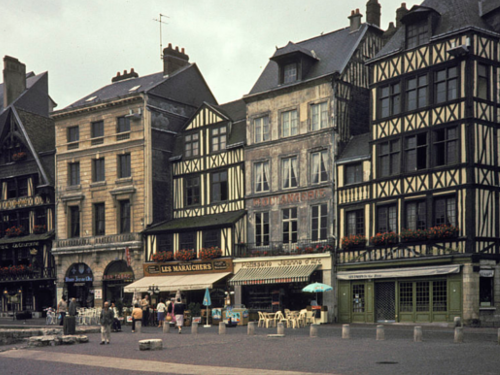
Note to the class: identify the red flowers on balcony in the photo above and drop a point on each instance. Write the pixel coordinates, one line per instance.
(185, 255)
(442, 232)
(37, 229)
(162, 256)
(14, 231)
(387, 238)
(210, 253)
(353, 241)
(18, 156)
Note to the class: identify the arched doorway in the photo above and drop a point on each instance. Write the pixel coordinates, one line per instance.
(116, 276)
(79, 280)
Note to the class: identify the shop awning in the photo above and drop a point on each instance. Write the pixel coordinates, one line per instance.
(399, 272)
(273, 275)
(174, 283)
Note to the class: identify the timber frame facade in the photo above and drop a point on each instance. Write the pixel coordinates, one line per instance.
(420, 237)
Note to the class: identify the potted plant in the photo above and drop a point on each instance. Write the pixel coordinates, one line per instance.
(14, 231)
(210, 253)
(387, 238)
(443, 232)
(353, 241)
(409, 235)
(195, 311)
(162, 256)
(185, 255)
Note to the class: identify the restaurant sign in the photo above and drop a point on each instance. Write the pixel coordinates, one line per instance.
(22, 202)
(186, 268)
(18, 245)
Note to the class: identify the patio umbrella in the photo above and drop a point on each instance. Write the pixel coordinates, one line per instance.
(207, 302)
(317, 288)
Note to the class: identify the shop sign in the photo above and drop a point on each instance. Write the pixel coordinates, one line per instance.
(127, 256)
(284, 262)
(22, 202)
(119, 276)
(173, 268)
(98, 293)
(290, 198)
(77, 279)
(19, 245)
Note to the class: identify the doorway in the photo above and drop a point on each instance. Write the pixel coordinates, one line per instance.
(385, 302)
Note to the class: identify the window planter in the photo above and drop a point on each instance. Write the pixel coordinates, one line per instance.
(408, 235)
(162, 256)
(354, 241)
(443, 232)
(210, 253)
(185, 255)
(387, 238)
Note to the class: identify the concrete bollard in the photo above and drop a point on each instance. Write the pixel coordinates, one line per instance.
(166, 327)
(457, 322)
(251, 328)
(313, 332)
(281, 328)
(459, 335)
(194, 328)
(417, 334)
(138, 326)
(498, 336)
(380, 332)
(222, 328)
(346, 331)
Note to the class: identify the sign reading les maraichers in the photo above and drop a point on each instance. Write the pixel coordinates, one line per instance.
(186, 268)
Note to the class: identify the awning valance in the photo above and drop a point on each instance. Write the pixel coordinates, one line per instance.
(273, 275)
(174, 283)
(399, 272)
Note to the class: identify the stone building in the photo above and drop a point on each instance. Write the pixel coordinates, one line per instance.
(113, 174)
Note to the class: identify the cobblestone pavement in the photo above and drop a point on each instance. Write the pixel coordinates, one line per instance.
(238, 353)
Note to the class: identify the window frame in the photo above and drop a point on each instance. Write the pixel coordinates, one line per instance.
(393, 158)
(416, 153)
(448, 86)
(261, 126)
(323, 174)
(262, 229)
(290, 123)
(358, 225)
(184, 240)
(213, 241)
(290, 73)
(319, 120)
(353, 177)
(99, 222)
(319, 222)
(97, 127)
(192, 191)
(192, 145)
(290, 220)
(74, 174)
(98, 170)
(288, 169)
(260, 172)
(419, 218)
(417, 89)
(392, 98)
(124, 166)
(441, 147)
(73, 137)
(125, 216)
(223, 186)
(122, 124)
(74, 222)
(218, 142)
(449, 200)
(417, 34)
(483, 81)
(389, 216)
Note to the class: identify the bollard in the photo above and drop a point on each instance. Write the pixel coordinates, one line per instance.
(459, 335)
(281, 328)
(346, 331)
(166, 327)
(194, 328)
(251, 328)
(457, 322)
(314, 330)
(138, 326)
(222, 328)
(498, 336)
(417, 334)
(380, 332)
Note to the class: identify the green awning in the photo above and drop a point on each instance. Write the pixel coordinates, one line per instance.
(28, 238)
(273, 275)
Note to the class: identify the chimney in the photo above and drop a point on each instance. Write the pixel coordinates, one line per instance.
(355, 18)
(400, 13)
(173, 59)
(125, 75)
(391, 30)
(14, 79)
(373, 12)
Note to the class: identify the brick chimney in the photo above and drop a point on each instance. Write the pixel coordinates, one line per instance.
(173, 59)
(14, 79)
(124, 76)
(373, 12)
(355, 18)
(400, 13)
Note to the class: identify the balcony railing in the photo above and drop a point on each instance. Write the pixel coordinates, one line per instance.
(100, 240)
(278, 248)
(36, 274)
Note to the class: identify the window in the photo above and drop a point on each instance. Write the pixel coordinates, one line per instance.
(446, 146)
(74, 221)
(358, 298)
(124, 170)
(422, 296)
(123, 124)
(319, 116)
(74, 174)
(289, 172)
(319, 167)
(439, 296)
(406, 297)
(125, 216)
(289, 125)
(319, 222)
(261, 128)
(191, 145)
(446, 84)
(211, 238)
(17, 188)
(219, 186)
(24, 221)
(482, 81)
(186, 241)
(416, 152)
(387, 219)
(389, 101)
(486, 287)
(219, 139)
(97, 131)
(416, 93)
(98, 170)
(99, 220)
(193, 191)
(353, 173)
(261, 176)
(262, 229)
(290, 225)
(445, 211)
(41, 216)
(389, 158)
(290, 73)
(73, 136)
(417, 34)
(355, 222)
(416, 215)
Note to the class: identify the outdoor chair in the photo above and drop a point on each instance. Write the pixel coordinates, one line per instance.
(263, 319)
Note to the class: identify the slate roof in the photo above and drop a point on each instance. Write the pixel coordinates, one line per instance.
(455, 14)
(357, 148)
(291, 48)
(41, 130)
(31, 78)
(333, 51)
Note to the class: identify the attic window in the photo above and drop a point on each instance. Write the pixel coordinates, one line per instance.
(134, 88)
(416, 34)
(90, 99)
(290, 73)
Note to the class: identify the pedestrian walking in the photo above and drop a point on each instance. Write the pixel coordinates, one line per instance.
(72, 307)
(117, 326)
(179, 314)
(62, 309)
(107, 317)
(170, 319)
(145, 310)
(161, 308)
(136, 315)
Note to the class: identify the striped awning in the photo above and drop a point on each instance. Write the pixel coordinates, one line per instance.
(273, 275)
(174, 283)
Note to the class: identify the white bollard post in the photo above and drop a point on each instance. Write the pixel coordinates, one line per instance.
(194, 328)
(346, 331)
(138, 326)
(281, 328)
(459, 335)
(457, 322)
(417, 334)
(498, 336)
(222, 328)
(380, 332)
(251, 328)
(166, 327)
(313, 332)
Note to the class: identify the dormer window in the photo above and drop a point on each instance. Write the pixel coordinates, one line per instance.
(290, 73)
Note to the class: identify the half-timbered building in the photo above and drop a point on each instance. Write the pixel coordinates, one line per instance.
(420, 242)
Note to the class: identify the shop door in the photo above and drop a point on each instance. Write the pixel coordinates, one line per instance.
(385, 302)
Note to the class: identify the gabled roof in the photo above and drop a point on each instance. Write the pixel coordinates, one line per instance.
(292, 48)
(332, 52)
(31, 79)
(358, 148)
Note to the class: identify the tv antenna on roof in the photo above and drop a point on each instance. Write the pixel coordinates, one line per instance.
(161, 22)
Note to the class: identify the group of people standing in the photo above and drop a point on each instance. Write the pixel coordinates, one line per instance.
(172, 311)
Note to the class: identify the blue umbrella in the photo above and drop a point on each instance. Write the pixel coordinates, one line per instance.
(317, 287)
(207, 302)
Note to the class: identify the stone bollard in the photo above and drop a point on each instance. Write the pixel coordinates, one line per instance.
(457, 322)
(166, 327)
(417, 334)
(138, 326)
(380, 332)
(346, 331)
(498, 336)
(194, 328)
(459, 335)
(222, 328)
(281, 328)
(251, 328)
(313, 332)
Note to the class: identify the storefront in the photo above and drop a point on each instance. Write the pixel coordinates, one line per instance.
(116, 277)
(275, 283)
(79, 284)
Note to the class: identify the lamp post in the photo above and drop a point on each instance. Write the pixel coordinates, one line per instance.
(152, 290)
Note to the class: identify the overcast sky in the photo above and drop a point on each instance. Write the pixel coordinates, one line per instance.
(82, 44)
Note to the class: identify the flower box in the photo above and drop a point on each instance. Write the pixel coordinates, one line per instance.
(210, 253)
(185, 255)
(443, 232)
(353, 241)
(14, 231)
(18, 156)
(38, 229)
(162, 256)
(387, 238)
(409, 235)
